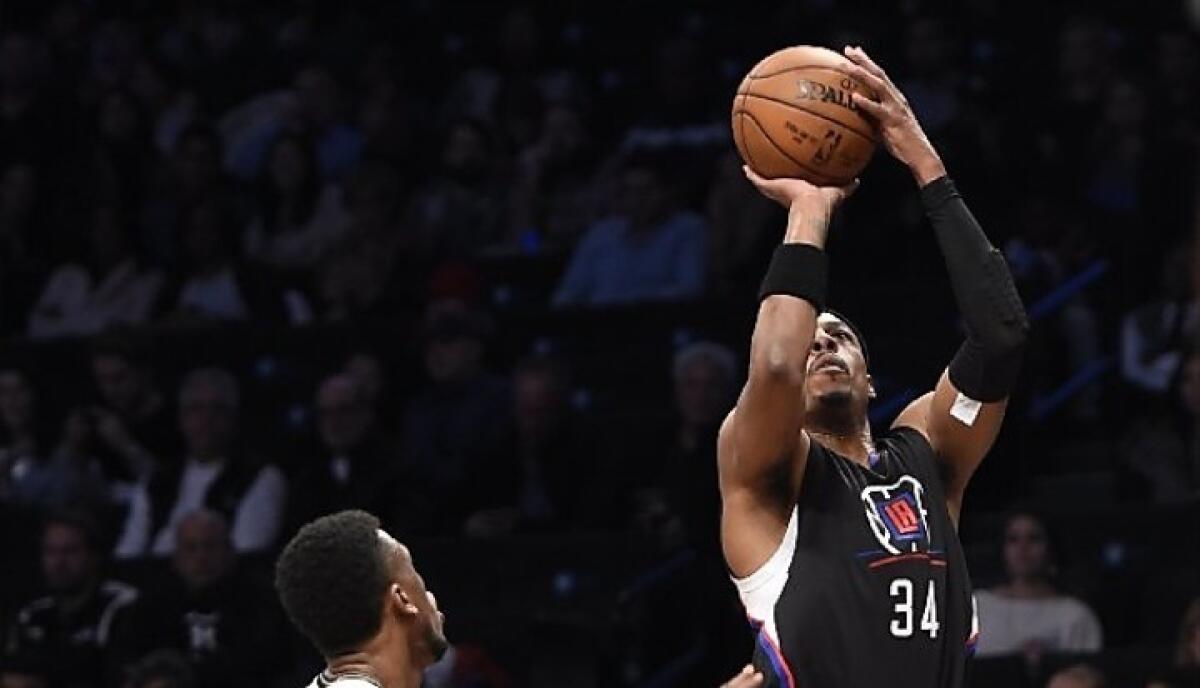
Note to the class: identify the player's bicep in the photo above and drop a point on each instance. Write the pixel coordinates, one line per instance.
(960, 429)
(755, 505)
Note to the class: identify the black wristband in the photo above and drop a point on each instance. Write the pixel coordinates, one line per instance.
(799, 270)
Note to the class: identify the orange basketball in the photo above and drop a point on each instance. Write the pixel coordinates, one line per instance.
(793, 117)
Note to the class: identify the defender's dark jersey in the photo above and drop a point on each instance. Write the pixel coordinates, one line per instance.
(870, 586)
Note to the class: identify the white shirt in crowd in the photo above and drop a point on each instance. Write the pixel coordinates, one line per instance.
(256, 522)
(216, 295)
(73, 303)
(1058, 624)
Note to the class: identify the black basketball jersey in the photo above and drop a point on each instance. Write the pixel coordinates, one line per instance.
(869, 586)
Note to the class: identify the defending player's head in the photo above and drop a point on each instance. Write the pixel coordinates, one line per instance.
(353, 591)
(838, 385)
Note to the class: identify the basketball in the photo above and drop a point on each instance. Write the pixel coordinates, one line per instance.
(793, 117)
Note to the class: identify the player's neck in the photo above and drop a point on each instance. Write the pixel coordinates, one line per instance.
(854, 445)
(380, 662)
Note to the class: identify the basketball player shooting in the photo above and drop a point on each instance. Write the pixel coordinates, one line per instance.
(843, 546)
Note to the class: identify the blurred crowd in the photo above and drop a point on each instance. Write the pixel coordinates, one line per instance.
(180, 179)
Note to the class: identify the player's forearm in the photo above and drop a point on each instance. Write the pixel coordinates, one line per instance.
(787, 319)
(983, 287)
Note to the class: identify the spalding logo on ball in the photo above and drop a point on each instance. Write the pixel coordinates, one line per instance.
(793, 116)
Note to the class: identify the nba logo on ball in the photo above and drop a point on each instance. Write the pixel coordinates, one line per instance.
(896, 514)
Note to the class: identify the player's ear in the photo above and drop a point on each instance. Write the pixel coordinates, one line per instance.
(870, 387)
(402, 601)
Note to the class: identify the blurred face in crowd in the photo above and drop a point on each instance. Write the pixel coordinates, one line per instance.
(927, 46)
(452, 357)
(1125, 106)
(1178, 58)
(368, 371)
(344, 414)
(118, 117)
(1082, 49)
(16, 679)
(16, 401)
(1189, 385)
(1026, 549)
(540, 402)
(207, 419)
(18, 62)
(19, 188)
(466, 154)
(121, 384)
(68, 564)
(289, 166)
(702, 392)
(197, 162)
(317, 96)
(642, 197)
(203, 550)
(562, 132)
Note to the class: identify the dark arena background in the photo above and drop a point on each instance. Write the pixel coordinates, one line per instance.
(274, 260)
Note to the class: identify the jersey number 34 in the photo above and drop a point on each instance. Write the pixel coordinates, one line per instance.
(901, 591)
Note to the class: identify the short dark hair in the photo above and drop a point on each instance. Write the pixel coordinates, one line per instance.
(81, 522)
(331, 578)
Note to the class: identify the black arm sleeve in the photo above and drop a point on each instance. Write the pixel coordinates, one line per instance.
(986, 366)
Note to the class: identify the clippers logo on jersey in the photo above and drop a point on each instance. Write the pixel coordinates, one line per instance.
(897, 516)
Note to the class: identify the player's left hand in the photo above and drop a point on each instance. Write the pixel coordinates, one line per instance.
(894, 119)
(747, 678)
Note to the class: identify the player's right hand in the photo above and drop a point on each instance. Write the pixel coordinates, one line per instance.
(793, 192)
(747, 678)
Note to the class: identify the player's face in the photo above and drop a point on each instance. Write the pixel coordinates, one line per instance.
(428, 621)
(837, 372)
(1025, 549)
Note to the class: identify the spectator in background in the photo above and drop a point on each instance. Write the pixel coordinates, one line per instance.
(169, 105)
(22, 244)
(742, 229)
(319, 107)
(216, 287)
(30, 474)
(552, 197)
(132, 422)
(368, 371)
(195, 178)
(1162, 447)
(161, 669)
(1077, 676)
(650, 249)
(681, 115)
(1027, 614)
(685, 508)
(224, 622)
(452, 427)
(215, 473)
(380, 264)
(1154, 335)
(110, 287)
(21, 449)
(124, 157)
(355, 467)
(1186, 665)
(298, 218)
(75, 623)
(546, 474)
(30, 671)
(460, 209)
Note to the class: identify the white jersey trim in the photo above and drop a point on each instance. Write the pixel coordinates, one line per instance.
(761, 590)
